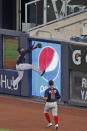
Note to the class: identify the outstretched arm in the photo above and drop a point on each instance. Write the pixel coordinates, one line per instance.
(34, 47)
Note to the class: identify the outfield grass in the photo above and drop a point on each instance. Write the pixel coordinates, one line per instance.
(4, 130)
(10, 51)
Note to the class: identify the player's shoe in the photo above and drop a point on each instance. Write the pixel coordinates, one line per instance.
(12, 88)
(49, 125)
(56, 127)
(42, 73)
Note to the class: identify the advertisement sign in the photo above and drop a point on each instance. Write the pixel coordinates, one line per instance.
(78, 86)
(47, 58)
(78, 57)
(6, 80)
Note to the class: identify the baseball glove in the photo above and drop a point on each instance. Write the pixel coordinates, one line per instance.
(39, 45)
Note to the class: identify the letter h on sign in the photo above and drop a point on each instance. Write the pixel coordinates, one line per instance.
(3, 81)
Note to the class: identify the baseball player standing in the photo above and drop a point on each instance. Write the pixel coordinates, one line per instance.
(21, 65)
(51, 96)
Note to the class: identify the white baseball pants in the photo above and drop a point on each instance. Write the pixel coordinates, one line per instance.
(20, 68)
(51, 106)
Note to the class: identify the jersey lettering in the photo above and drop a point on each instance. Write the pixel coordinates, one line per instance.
(52, 93)
(52, 96)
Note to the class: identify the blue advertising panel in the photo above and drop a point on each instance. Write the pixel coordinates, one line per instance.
(6, 79)
(47, 58)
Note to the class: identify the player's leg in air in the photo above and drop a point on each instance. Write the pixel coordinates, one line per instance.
(30, 66)
(17, 80)
(20, 68)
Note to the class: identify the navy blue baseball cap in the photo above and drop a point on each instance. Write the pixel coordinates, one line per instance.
(51, 82)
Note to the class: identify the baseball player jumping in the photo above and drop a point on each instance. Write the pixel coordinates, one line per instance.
(51, 96)
(21, 65)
